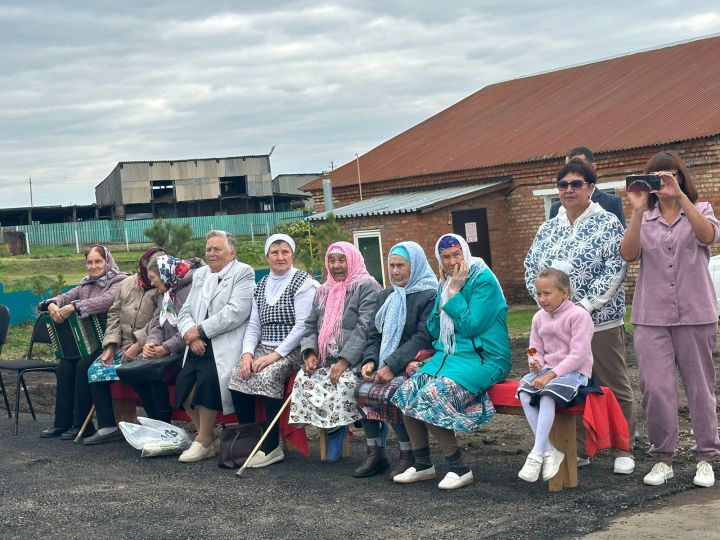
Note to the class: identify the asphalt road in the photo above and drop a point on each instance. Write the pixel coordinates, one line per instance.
(58, 489)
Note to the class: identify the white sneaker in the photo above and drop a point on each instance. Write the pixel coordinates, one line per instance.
(704, 477)
(261, 459)
(624, 465)
(658, 475)
(583, 461)
(453, 480)
(551, 463)
(197, 452)
(413, 475)
(531, 470)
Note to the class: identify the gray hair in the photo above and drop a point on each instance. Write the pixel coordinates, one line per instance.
(230, 241)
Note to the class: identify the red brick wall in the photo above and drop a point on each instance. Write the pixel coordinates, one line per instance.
(514, 215)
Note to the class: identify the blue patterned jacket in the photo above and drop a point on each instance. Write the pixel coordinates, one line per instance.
(592, 246)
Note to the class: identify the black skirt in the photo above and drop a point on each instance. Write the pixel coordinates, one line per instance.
(199, 372)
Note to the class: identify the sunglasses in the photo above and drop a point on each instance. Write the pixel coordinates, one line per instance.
(562, 185)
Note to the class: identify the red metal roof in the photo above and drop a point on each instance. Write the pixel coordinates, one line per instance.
(641, 99)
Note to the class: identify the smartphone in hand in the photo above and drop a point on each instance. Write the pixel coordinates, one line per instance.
(643, 182)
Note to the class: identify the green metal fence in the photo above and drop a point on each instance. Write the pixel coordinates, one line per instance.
(117, 232)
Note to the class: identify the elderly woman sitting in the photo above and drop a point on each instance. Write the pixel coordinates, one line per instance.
(271, 353)
(448, 394)
(399, 333)
(93, 296)
(127, 327)
(172, 277)
(333, 345)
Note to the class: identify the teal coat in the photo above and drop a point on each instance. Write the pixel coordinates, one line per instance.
(482, 346)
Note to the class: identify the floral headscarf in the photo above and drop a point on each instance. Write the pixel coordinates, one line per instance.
(331, 294)
(142, 276)
(172, 270)
(111, 270)
(390, 318)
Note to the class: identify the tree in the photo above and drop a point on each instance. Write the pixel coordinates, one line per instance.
(311, 242)
(173, 237)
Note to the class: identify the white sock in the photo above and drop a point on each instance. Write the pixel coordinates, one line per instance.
(107, 431)
(531, 413)
(546, 416)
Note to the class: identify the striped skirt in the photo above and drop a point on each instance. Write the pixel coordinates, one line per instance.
(374, 400)
(563, 389)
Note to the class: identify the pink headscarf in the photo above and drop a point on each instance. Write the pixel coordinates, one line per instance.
(331, 294)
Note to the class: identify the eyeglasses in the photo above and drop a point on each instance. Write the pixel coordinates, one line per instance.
(563, 185)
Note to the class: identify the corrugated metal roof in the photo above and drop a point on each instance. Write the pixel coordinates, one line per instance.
(408, 202)
(192, 159)
(642, 99)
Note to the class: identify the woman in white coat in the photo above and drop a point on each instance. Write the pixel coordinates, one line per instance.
(212, 322)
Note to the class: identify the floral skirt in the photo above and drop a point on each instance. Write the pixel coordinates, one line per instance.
(99, 372)
(374, 400)
(270, 381)
(444, 403)
(318, 402)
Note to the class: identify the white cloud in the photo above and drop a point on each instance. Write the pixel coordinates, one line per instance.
(84, 86)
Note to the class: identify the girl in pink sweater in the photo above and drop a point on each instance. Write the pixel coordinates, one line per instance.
(560, 361)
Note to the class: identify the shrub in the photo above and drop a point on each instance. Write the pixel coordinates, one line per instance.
(311, 242)
(173, 237)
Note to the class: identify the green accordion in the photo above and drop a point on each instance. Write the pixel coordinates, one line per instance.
(76, 337)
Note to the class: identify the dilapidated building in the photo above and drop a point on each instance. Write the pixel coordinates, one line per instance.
(192, 187)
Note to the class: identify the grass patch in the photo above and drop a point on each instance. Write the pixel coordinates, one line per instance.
(17, 344)
(519, 321)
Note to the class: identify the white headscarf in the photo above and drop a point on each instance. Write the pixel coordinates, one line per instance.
(277, 283)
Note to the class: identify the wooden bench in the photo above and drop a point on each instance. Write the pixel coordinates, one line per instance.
(562, 436)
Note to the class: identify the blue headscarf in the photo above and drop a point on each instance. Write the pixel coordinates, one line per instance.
(390, 318)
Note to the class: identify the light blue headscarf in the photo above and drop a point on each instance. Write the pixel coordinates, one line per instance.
(390, 318)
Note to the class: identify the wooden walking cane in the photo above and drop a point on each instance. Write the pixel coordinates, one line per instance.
(241, 470)
(85, 424)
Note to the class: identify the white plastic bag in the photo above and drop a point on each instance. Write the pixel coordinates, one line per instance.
(155, 434)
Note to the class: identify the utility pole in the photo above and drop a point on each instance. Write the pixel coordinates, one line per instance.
(31, 199)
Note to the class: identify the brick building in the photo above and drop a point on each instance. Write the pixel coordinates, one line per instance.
(500, 148)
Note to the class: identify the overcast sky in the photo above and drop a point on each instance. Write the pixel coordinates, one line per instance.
(84, 85)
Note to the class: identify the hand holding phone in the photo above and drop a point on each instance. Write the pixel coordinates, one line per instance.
(643, 182)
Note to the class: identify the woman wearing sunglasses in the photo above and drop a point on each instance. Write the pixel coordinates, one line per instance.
(588, 237)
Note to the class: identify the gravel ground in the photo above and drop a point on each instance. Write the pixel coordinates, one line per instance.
(59, 489)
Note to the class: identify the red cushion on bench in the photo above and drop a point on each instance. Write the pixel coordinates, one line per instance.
(503, 394)
(605, 425)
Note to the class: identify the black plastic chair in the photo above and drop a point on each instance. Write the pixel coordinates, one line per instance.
(24, 365)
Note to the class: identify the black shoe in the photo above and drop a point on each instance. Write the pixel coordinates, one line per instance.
(375, 463)
(52, 432)
(101, 439)
(71, 433)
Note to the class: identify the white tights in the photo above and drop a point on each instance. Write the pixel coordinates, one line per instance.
(541, 420)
